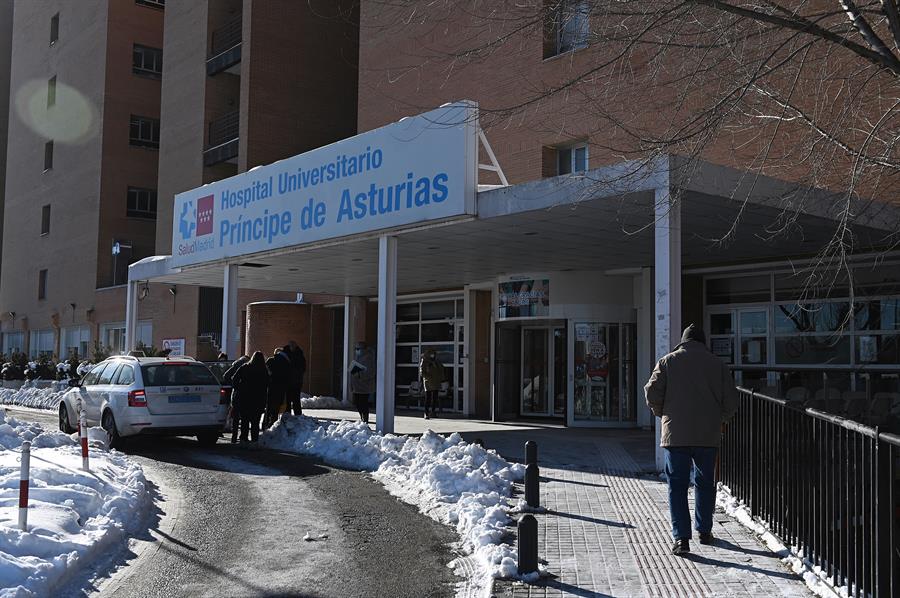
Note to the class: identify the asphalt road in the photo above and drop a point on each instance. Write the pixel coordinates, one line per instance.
(230, 522)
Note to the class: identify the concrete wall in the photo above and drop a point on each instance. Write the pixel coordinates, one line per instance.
(72, 186)
(6, 21)
(182, 113)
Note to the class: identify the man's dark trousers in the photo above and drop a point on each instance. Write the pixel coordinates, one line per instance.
(681, 462)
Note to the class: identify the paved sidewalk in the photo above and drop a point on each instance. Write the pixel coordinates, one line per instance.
(607, 532)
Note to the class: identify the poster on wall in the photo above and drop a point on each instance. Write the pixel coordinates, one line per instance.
(524, 299)
(175, 346)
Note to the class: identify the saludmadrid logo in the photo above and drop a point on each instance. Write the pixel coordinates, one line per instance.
(199, 221)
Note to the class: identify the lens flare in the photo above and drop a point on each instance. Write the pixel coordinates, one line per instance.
(71, 118)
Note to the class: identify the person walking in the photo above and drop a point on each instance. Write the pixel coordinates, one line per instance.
(431, 371)
(228, 378)
(693, 392)
(362, 379)
(298, 363)
(251, 381)
(280, 372)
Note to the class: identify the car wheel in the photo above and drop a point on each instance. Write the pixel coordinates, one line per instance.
(109, 424)
(208, 438)
(64, 425)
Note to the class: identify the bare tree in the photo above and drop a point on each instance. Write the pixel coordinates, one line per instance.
(805, 91)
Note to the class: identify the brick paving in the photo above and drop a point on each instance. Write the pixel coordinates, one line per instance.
(607, 531)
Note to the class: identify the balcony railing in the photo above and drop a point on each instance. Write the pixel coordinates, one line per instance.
(223, 139)
(225, 47)
(826, 486)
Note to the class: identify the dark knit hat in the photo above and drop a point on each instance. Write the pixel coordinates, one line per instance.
(693, 333)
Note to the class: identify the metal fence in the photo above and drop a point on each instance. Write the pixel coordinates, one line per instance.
(826, 486)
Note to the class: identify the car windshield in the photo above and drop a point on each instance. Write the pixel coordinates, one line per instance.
(177, 374)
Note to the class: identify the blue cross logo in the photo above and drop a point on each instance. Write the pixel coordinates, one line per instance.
(188, 220)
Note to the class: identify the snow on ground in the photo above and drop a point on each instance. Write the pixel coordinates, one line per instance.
(448, 479)
(317, 402)
(37, 398)
(814, 577)
(73, 516)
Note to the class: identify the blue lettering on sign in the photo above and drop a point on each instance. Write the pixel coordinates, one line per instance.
(392, 198)
(266, 227)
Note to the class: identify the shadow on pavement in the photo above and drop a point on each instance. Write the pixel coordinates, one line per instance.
(732, 565)
(224, 457)
(606, 522)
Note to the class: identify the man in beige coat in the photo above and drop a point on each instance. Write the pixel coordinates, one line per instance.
(693, 392)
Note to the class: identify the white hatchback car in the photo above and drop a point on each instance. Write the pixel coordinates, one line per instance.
(164, 396)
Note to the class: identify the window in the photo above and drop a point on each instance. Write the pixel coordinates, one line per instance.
(74, 341)
(430, 324)
(45, 220)
(108, 372)
(141, 203)
(54, 28)
(51, 91)
(144, 132)
(13, 342)
(112, 335)
(152, 3)
(147, 61)
(573, 158)
(42, 284)
(41, 344)
(567, 26)
(48, 156)
(125, 377)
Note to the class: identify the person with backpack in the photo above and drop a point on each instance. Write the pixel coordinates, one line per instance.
(431, 371)
(251, 381)
(228, 379)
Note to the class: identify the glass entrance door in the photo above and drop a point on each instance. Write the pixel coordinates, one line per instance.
(604, 377)
(535, 385)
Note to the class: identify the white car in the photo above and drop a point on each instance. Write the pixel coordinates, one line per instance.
(130, 396)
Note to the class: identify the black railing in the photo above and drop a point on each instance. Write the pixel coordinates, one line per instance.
(828, 487)
(866, 394)
(226, 37)
(224, 129)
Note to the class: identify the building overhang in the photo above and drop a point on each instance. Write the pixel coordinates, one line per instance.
(599, 220)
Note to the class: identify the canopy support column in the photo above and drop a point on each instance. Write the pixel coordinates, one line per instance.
(387, 333)
(667, 272)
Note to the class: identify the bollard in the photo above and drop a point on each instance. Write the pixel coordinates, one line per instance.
(528, 545)
(530, 452)
(532, 486)
(85, 465)
(23, 486)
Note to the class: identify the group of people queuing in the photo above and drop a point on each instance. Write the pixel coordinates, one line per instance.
(261, 387)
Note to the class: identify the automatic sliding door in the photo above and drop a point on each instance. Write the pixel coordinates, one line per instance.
(535, 370)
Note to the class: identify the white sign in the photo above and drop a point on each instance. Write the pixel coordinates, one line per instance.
(420, 169)
(174, 345)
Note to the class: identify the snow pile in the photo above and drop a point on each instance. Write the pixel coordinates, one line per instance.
(814, 576)
(448, 479)
(317, 402)
(37, 398)
(73, 516)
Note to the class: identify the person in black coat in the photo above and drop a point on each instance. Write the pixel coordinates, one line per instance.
(281, 371)
(252, 382)
(228, 379)
(298, 361)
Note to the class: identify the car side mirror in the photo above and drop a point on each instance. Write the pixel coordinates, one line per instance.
(74, 382)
